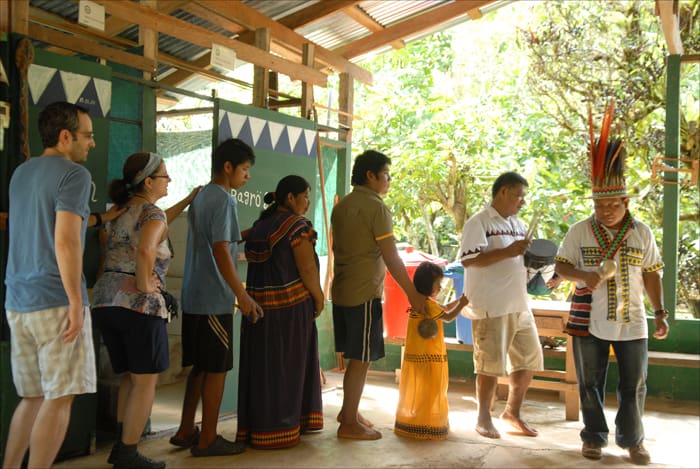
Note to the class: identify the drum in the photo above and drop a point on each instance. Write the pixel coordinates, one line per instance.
(539, 261)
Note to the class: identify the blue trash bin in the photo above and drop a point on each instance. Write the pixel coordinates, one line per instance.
(455, 271)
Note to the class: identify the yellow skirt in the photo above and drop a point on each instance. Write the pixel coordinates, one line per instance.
(422, 412)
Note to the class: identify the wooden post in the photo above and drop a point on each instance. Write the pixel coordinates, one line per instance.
(307, 89)
(148, 38)
(5, 16)
(19, 16)
(274, 86)
(261, 75)
(346, 104)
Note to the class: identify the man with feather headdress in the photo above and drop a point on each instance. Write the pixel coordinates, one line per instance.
(614, 260)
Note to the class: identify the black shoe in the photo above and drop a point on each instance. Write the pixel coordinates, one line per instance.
(136, 460)
(115, 452)
(189, 442)
(220, 447)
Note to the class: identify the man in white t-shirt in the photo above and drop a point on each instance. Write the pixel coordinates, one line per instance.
(504, 332)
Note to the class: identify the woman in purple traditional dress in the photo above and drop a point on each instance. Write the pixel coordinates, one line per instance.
(279, 390)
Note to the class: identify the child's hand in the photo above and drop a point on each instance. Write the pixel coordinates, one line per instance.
(463, 301)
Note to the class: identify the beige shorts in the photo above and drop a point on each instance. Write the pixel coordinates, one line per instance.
(506, 343)
(42, 365)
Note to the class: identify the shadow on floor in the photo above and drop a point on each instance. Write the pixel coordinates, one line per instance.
(672, 429)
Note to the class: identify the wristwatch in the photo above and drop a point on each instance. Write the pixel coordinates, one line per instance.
(661, 313)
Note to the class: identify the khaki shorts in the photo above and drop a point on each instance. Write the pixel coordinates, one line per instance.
(509, 341)
(42, 365)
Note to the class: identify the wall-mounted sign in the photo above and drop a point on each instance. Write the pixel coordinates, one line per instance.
(91, 14)
(223, 57)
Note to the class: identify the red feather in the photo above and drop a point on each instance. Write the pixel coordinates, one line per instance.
(603, 140)
(592, 144)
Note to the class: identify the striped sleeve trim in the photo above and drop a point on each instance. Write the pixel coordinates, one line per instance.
(654, 268)
(384, 236)
(563, 259)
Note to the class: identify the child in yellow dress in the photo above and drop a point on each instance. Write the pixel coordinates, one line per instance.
(422, 412)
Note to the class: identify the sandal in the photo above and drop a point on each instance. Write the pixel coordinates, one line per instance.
(188, 442)
(591, 451)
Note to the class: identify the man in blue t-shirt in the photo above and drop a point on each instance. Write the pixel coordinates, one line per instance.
(46, 300)
(211, 288)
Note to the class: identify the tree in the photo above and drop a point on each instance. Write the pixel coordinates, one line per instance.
(510, 92)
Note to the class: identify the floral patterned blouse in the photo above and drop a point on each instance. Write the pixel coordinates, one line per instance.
(117, 286)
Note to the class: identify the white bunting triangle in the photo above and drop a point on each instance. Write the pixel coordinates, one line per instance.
(39, 78)
(256, 128)
(74, 84)
(275, 132)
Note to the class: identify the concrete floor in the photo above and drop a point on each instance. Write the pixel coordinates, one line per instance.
(672, 428)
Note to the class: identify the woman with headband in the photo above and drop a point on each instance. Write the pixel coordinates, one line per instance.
(128, 306)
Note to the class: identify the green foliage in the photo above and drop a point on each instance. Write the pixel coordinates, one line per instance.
(510, 92)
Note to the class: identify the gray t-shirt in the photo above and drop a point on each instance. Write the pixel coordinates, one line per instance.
(39, 188)
(212, 217)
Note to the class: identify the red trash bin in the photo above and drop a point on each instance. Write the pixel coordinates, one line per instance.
(395, 301)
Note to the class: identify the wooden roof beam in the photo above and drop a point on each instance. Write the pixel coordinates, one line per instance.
(214, 18)
(70, 42)
(315, 12)
(361, 17)
(251, 19)
(410, 27)
(149, 18)
(115, 25)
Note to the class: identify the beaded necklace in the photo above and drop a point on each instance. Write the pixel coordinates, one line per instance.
(609, 248)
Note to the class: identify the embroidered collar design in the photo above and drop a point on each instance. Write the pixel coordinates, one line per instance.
(608, 250)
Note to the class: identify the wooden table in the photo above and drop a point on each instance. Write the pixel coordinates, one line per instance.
(550, 317)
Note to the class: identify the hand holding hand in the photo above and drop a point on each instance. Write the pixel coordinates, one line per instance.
(417, 302)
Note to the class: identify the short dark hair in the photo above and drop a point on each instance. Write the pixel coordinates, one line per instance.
(56, 117)
(370, 160)
(509, 179)
(234, 151)
(425, 275)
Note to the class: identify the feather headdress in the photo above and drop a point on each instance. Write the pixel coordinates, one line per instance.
(607, 159)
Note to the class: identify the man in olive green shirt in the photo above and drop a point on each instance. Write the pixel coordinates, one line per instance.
(363, 248)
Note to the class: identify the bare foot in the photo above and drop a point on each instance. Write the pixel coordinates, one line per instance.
(519, 424)
(487, 430)
(357, 432)
(360, 419)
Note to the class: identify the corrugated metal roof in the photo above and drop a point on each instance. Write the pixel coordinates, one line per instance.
(332, 31)
(390, 12)
(279, 8)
